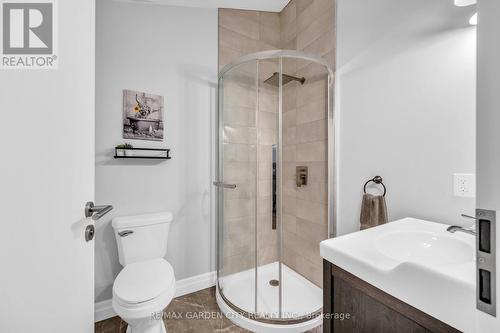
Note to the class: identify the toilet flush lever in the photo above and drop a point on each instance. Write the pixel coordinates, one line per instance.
(125, 233)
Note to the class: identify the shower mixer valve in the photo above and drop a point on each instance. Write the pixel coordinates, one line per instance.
(301, 176)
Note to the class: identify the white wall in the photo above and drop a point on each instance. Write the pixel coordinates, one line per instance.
(488, 181)
(405, 106)
(170, 51)
(488, 131)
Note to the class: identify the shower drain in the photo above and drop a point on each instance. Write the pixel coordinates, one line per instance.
(274, 283)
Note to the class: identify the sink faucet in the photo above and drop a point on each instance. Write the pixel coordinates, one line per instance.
(471, 231)
(455, 228)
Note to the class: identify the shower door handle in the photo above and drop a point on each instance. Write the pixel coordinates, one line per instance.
(225, 185)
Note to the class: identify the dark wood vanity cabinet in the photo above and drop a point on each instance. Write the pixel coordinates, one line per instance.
(351, 305)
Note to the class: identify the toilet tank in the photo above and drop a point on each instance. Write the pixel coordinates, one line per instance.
(141, 237)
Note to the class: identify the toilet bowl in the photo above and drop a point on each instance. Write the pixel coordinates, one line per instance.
(140, 294)
(146, 284)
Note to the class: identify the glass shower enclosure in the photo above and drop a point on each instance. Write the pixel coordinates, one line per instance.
(274, 186)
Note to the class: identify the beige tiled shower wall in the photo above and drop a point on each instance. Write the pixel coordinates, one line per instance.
(242, 32)
(309, 26)
(306, 25)
(239, 160)
(246, 31)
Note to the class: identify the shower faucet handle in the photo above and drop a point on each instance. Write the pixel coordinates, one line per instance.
(301, 175)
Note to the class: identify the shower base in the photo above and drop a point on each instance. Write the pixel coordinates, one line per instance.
(301, 298)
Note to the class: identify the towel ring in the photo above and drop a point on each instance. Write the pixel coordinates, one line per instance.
(376, 180)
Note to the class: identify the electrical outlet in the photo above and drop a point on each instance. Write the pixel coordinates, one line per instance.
(464, 185)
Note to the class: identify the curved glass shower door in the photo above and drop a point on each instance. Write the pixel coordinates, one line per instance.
(274, 132)
(237, 204)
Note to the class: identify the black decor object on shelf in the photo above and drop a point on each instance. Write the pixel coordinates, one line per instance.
(144, 153)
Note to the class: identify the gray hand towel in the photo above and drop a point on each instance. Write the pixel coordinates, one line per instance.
(373, 211)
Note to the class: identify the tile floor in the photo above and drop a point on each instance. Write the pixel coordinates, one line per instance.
(201, 302)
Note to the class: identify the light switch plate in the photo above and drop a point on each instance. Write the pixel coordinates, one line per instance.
(464, 185)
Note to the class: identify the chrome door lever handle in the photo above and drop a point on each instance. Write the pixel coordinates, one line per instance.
(225, 185)
(96, 212)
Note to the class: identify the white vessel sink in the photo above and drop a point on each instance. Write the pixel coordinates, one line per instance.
(416, 261)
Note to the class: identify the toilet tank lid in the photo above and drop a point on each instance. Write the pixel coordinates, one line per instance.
(141, 220)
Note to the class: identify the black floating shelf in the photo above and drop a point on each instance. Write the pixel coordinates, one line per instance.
(143, 153)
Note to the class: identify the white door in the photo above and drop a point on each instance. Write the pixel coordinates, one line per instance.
(46, 176)
(488, 134)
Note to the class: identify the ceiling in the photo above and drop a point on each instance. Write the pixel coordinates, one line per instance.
(264, 5)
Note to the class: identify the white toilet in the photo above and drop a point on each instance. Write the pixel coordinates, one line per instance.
(146, 284)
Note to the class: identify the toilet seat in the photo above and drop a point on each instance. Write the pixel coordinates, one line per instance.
(144, 282)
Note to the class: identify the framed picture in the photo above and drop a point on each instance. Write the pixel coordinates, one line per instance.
(142, 116)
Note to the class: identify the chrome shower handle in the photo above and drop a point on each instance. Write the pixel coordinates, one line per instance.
(225, 185)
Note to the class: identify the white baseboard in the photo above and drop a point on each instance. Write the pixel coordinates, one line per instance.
(104, 310)
(195, 283)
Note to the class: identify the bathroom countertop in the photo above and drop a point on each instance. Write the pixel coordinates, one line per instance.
(416, 261)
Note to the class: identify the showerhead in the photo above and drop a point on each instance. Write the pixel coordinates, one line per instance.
(274, 80)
